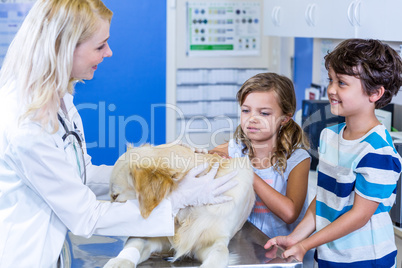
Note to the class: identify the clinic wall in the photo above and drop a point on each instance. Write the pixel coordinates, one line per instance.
(124, 102)
(303, 67)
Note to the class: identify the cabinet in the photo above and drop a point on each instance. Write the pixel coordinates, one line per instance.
(332, 19)
(380, 19)
(307, 18)
(283, 18)
(339, 19)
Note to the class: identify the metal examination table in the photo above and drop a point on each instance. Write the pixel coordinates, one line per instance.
(246, 248)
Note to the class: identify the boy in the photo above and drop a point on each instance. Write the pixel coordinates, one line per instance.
(358, 164)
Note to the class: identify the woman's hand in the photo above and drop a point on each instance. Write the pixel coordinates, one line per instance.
(204, 190)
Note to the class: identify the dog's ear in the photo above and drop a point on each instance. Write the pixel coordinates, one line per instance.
(152, 186)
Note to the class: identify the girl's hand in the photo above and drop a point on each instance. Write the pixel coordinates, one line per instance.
(194, 149)
(220, 153)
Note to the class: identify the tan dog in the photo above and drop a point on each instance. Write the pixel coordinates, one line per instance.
(149, 174)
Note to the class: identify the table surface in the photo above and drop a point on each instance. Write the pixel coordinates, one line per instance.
(246, 250)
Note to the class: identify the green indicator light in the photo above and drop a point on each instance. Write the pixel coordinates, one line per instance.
(211, 47)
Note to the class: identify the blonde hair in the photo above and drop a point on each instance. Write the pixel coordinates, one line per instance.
(40, 58)
(290, 136)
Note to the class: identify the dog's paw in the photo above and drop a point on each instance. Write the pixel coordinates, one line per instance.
(119, 263)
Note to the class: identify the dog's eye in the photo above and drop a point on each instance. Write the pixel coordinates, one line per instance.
(114, 196)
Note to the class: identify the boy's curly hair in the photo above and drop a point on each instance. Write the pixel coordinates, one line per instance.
(376, 64)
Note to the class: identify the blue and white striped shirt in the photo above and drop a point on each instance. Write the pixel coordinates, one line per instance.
(369, 167)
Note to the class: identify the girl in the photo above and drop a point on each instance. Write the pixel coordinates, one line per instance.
(276, 147)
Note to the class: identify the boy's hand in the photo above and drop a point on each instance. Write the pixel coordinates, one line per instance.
(297, 251)
(292, 248)
(282, 241)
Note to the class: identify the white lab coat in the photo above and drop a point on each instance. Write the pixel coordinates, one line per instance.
(42, 195)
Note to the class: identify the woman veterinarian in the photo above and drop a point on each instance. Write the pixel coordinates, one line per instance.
(43, 160)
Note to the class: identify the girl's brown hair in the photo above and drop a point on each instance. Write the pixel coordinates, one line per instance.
(290, 136)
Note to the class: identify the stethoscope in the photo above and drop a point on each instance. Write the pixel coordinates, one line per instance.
(78, 136)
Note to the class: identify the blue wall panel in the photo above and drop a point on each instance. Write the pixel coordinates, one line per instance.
(303, 67)
(124, 102)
